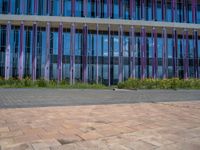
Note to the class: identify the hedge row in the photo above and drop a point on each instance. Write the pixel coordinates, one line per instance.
(173, 83)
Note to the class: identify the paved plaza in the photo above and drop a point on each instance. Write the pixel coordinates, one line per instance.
(99, 120)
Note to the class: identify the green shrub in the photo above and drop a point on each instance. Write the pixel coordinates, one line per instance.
(41, 83)
(174, 83)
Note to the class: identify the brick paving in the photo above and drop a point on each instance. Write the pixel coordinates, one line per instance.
(139, 126)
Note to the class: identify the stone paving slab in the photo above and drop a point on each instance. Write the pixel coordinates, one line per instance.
(140, 126)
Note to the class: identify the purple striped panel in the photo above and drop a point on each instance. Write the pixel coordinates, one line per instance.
(85, 4)
(35, 7)
(143, 53)
(155, 57)
(72, 55)
(186, 59)
(196, 61)
(185, 10)
(48, 8)
(61, 7)
(164, 53)
(173, 10)
(109, 38)
(131, 9)
(7, 59)
(47, 63)
(143, 10)
(98, 4)
(163, 3)
(174, 57)
(21, 7)
(34, 51)
(60, 51)
(84, 56)
(73, 8)
(194, 11)
(132, 52)
(97, 55)
(120, 33)
(21, 53)
(120, 9)
(154, 9)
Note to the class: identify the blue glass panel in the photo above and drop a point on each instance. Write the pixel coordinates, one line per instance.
(79, 8)
(159, 12)
(169, 12)
(67, 7)
(55, 9)
(115, 9)
(29, 7)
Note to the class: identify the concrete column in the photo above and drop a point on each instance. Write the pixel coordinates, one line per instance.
(132, 52)
(143, 53)
(97, 54)
(164, 53)
(7, 59)
(174, 55)
(186, 59)
(72, 8)
(120, 34)
(72, 54)
(21, 53)
(60, 51)
(47, 63)
(196, 61)
(155, 55)
(34, 51)
(84, 53)
(109, 39)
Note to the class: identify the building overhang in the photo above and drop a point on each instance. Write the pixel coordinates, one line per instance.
(29, 20)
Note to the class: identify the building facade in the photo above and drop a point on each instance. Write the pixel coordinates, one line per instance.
(99, 41)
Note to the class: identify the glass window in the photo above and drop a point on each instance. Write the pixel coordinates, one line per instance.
(149, 10)
(67, 7)
(41, 7)
(115, 9)
(126, 9)
(29, 7)
(55, 9)
(159, 11)
(4, 6)
(169, 12)
(79, 8)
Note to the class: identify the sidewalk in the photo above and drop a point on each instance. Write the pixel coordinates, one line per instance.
(141, 126)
